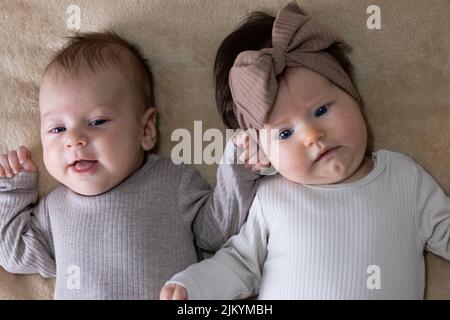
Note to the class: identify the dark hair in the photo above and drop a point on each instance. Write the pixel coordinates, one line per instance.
(102, 50)
(255, 33)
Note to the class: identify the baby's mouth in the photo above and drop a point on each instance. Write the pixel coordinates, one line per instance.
(324, 153)
(84, 166)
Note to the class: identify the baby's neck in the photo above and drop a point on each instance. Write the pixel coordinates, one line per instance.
(363, 170)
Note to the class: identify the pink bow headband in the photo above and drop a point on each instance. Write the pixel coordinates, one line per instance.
(297, 42)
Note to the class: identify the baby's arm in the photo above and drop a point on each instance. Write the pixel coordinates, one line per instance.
(234, 272)
(433, 214)
(218, 214)
(24, 230)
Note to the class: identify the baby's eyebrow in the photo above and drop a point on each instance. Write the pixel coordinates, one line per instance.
(105, 105)
(46, 115)
(280, 123)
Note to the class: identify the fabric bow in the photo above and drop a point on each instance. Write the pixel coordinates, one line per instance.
(297, 42)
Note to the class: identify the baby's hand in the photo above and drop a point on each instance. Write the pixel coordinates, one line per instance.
(253, 156)
(173, 292)
(13, 162)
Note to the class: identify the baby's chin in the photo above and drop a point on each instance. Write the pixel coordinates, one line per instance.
(87, 193)
(314, 180)
(322, 181)
(85, 188)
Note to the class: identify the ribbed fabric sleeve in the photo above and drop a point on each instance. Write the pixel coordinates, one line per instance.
(433, 211)
(216, 218)
(235, 271)
(25, 235)
(125, 243)
(358, 240)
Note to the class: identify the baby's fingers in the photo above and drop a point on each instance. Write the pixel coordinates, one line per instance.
(241, 139)
(173, 292)
(2, 172)
(259, 157)
(167, 292)
(23, 154)
(180, 293)
(6, 169)
(250, 151)
(14, 161)
(25, 159)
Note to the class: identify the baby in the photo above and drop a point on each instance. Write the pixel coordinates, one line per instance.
(336, 223)
(125, 219)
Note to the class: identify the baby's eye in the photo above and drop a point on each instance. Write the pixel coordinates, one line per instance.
(321, 111)
(285, 134)
(97, 122)
(57, 130)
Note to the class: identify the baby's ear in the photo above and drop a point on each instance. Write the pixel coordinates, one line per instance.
(149, 129)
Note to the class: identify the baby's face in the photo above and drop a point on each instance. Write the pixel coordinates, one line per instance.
(321, 132)
(91, 130)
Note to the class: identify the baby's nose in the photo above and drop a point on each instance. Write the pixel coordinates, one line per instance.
(312, 135)
(76, 140)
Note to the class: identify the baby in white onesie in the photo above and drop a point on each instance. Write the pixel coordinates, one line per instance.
(338, 221)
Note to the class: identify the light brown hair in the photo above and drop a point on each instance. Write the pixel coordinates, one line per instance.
(94, 50)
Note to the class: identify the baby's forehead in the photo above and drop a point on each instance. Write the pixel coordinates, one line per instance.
(89, 90)
(79, 67)
(303, 84)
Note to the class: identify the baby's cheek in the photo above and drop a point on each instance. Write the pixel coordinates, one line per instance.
(354, 126)
(291, 162)
(47, 155)
(277, 154)
(53, 161)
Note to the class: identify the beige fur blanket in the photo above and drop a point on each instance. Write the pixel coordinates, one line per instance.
(402, 72)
